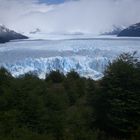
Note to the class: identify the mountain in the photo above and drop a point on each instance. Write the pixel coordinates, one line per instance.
(131, 31)
(37, 30)
(7, 35)
(115, 31)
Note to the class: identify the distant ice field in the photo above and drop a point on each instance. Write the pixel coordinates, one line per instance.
(87, 56)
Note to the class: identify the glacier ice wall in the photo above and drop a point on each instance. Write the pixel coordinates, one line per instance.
(85, 66)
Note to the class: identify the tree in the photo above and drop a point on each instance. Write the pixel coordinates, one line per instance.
(5, 77)
(73, 75)
(117, 105)
(55, 76)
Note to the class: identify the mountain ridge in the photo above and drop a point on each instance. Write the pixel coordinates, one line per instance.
(131, 31)
(115, 30)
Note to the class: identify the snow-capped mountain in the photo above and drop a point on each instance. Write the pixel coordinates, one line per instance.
(7, 35)
(131, 31)
(115, 31)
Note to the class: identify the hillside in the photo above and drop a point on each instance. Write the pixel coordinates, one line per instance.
(7, 35)
(131, 31)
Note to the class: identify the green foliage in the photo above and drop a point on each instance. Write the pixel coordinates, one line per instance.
(73, 75)
(136, 135)
(55, 76)
(118, 101)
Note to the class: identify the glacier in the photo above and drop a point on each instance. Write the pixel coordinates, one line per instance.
(85, 66)
(88, 56)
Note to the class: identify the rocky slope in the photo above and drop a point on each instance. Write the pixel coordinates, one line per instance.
(131, 31)
(7, 35)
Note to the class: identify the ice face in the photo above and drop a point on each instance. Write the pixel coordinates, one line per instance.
(85, 66)
(88, 57)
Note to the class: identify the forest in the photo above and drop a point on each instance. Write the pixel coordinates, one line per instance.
(71, 107)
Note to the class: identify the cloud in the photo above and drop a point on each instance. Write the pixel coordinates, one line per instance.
(16, 13)
(89, 16)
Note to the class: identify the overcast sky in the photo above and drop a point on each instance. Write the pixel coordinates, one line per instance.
(68, 16)
(52, 1)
